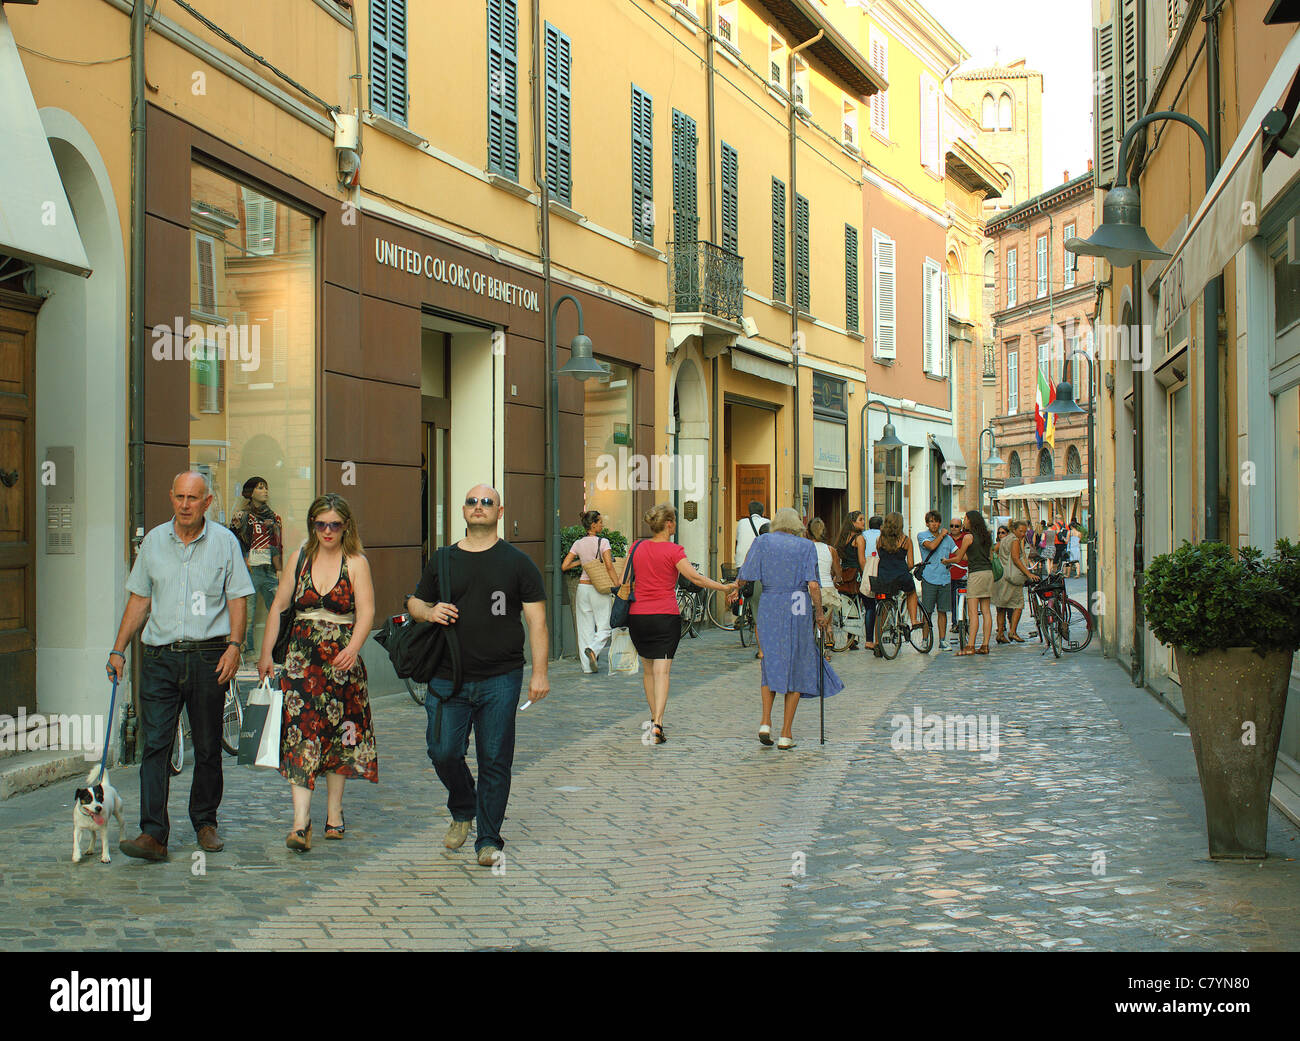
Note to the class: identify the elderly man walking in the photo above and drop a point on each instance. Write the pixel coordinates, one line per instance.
(492, 583)
(187, 592)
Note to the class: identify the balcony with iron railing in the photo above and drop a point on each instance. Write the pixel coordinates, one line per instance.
(704, 278)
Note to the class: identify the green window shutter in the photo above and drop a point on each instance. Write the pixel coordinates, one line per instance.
(851, 277)
(686, 218)
(801, 257)
(388, 95)
(503, 113)
(559, 151)
(643, 214)
(730, 207)
(778, 240)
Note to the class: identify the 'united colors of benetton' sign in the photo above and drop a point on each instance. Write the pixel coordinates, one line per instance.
(439, 269)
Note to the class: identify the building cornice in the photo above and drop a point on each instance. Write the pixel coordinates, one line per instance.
(917, 29)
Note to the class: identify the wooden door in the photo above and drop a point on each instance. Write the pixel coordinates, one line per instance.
(17, 505)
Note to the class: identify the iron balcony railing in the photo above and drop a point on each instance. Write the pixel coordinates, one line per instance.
(705, 277)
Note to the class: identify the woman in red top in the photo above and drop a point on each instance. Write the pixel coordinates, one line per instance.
(654, 620)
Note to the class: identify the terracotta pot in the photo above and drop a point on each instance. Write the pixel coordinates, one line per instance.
(1223, 691)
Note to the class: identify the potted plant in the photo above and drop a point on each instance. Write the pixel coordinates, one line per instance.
(1234, 623)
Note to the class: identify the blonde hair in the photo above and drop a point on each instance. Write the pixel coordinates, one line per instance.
(891, 532)
(817, 529)
(657, 517)
(787, 519)
(323, 504)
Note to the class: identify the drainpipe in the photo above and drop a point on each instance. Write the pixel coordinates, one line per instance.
(715, 434)
(794, 267)
(136, 435)
(1212, 299)
(552, 490)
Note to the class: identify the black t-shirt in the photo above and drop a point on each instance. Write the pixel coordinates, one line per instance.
(489, 590)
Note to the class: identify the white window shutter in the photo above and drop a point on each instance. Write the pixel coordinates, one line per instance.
(880, 99)
(927, 317)
(883, 296)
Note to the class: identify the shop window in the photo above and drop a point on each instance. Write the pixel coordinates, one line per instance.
(608, 427)
(252, 380)
(1286, 424)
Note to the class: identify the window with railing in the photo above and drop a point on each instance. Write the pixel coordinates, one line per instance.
(703, 277)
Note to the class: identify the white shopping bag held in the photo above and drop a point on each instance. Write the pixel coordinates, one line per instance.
(259, 737)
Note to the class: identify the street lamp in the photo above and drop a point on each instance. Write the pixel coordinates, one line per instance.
(888, 439)
(1065, 405)
(993, 460)
(581, 366)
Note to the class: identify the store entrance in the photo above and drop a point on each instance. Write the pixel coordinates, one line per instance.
(18, 508)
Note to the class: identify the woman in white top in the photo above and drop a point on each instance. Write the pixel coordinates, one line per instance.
(828, 574)
(592, 606)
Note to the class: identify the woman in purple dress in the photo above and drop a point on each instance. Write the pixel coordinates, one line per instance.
(786, 563)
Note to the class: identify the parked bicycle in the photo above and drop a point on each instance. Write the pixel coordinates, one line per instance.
(737, 616)
(1062, 624)
(690, 604)
(894, 626)
(232, 718)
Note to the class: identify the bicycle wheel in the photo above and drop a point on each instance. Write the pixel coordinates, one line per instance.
(745, 625)
(416, 690)
(719, 613)
(1077, 633)
(686, 611)
(232, 718)
(1052, 623)
(177, 762)
(921, 637)
(891, 631)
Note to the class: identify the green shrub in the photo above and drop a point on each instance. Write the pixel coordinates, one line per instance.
(571, 534)
(1203, 597)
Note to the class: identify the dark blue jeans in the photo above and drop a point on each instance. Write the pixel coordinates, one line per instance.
(489, 707)
(170, 680)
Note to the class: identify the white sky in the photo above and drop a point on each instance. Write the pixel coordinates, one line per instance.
(1055, 38)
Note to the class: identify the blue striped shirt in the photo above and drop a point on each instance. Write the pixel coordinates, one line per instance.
(188, 586)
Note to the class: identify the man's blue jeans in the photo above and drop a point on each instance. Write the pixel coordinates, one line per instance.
(489, 706)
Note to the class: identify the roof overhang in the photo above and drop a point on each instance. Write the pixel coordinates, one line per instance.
(36, 221)
(972, 171)
(800, 20)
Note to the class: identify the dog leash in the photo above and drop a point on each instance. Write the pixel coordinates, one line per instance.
(108, 732)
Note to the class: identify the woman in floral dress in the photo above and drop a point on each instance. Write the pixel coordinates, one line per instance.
(326, 726)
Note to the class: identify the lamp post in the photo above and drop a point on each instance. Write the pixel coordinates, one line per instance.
(581, 366)
(993, 460)
(888, 438)
(1065, 405)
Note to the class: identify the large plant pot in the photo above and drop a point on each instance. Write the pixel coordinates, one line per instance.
(1223, 691)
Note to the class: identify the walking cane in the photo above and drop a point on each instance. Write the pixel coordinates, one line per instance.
(821, 681)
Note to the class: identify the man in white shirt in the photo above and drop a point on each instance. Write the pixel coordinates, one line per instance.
(747, 529)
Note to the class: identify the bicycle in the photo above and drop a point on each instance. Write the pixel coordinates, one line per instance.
(894, 626)
(690, 604)
(1070, 625)
(849, 620)
(960, 624)
(232, 719)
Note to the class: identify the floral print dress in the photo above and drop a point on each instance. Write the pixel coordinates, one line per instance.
(327, 726)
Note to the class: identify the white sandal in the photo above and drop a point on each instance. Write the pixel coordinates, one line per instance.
(785, 743)
(765, 734)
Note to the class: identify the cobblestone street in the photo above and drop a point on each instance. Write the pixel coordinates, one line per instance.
(1082, 828)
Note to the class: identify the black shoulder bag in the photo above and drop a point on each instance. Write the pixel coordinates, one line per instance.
(281, 649)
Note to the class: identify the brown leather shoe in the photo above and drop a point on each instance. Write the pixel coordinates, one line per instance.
(209, 839)
(143, 847)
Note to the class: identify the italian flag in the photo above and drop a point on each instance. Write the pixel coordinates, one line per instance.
(1044, 425)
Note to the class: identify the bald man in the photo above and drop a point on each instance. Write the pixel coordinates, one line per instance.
(187, 592)
(492, 583)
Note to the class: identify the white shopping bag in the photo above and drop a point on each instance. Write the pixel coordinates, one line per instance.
(622, 653)
(259, 737)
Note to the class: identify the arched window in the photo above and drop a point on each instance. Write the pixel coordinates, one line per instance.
(1045, 468)
(1004, 112)
(1073, 464)
(1014, 467)
(989, 114)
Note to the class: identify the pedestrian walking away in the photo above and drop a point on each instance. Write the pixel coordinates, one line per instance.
(748, 529)
(187, 592)
(975, 550)
(654, 619)
(592, 553)
(261, 536)
(786, 563)
(936, 581)
(492, 584)
(326, 727)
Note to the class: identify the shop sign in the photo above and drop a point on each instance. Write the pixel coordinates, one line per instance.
(461, 276)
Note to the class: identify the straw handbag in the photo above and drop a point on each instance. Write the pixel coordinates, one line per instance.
(598, 573)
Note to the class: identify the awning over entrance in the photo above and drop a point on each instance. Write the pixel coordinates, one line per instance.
(764, 368)
(36, 222)
(1044, 490)
(1228, 216)
(951, 452)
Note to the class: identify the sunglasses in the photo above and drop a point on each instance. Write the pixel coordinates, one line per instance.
(486, 500)
(330, 526)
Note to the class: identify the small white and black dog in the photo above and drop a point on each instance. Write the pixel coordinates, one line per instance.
(90, 812)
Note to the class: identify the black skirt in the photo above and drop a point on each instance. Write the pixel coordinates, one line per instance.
(655, 636)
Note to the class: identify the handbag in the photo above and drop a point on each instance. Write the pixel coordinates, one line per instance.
(919, 569)
(416, 649)
(626, 595)
(281, 648)
(259, 733)
(850, 580)
(622, 654)
(599, 573)
(997, 568)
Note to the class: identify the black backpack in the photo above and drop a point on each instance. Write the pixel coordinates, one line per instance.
(416, 649)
